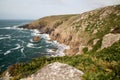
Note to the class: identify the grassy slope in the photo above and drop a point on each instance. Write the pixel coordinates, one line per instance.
(102, 65)
(97, 65)
(79, 30)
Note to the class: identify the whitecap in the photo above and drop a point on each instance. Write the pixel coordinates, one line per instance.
(31, 45)
(31, 40)
(60, 49)
(12, 27)
(50, 51)
(22, 51)
(35, 32)
(7, 28)
(7, 52)
(5, 37)
(48, 41)
(18, 46)
(45, 36)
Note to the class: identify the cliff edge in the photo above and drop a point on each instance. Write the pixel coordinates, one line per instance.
(80, 31)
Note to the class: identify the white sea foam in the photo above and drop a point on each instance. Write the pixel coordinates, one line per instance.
(45, 36)
(31, 45)
(13, 27)
(31, 40)
(50, 51)
(35, 32)
(22, 51)
(18, 46)
(59, 49)
(48, 41)
(9, 51)
(5, 37)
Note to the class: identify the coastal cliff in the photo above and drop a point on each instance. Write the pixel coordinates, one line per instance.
(79, 31)
(96, 34)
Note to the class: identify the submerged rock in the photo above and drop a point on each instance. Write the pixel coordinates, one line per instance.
(36, 38)
(57, 71)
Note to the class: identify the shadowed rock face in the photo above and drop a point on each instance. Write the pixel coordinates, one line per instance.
(57, 71)
(116, 30)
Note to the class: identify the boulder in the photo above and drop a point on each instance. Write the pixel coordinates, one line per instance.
(36, 38)
(57, 71)
(109, 39)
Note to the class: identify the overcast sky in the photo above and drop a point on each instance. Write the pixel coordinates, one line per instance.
(34, 9)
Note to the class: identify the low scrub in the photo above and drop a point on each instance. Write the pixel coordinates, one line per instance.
(100, 65)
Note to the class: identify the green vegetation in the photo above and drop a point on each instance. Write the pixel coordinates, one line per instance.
(101, 65)
(97, 64)
(97, 46)
(85, 49)
(57, 23)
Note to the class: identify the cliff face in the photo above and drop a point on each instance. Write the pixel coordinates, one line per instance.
(79, 31)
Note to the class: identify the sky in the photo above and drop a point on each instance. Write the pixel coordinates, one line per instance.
(35, 9)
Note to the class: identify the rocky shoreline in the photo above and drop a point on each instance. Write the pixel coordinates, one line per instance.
(53, 52)
(80, 30)
(96, 32)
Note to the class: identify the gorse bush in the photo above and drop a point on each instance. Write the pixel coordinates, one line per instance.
(101, 65)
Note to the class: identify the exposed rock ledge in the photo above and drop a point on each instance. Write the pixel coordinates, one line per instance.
(56, 71)
(109, 39)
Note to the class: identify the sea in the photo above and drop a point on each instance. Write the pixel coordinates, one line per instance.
(17, 45)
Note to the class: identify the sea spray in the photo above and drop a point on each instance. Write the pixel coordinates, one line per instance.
(60, 48)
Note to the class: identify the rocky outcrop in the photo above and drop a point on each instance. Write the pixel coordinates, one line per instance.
(80, 32)
(36, 38)
(79, 29)
(6, 76)
(57, 71)
(109, 39)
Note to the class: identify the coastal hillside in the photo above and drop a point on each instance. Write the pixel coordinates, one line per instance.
(82, 31)
(95, 35)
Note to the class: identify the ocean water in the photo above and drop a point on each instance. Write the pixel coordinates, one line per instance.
(16, 45)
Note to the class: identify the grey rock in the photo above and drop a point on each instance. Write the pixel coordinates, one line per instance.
(109, 39)
(57, 71)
